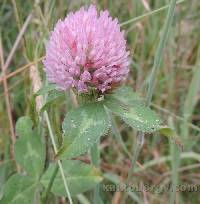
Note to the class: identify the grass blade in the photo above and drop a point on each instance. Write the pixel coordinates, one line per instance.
(156, 65)
(159, 51)
(133, 20)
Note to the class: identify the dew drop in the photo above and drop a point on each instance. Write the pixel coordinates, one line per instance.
(137, 126)
(73, 125)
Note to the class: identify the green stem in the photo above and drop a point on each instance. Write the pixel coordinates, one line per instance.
(117, 134)
(95, 158)
(51, 183)
(59, 161)
(138, 146)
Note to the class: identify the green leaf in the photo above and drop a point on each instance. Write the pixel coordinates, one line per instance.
(52, 97)
(6, 169)
(167, 131)
(80, 177)
(29, 149)
(24, 126)
(19, 189)
(82, 127)
(45, 89)
(171, 134)
(126, 96)
(136, 114)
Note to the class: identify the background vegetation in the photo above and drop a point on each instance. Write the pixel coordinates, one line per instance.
(24, 29)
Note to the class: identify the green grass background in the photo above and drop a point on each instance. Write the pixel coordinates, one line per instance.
(175, 98)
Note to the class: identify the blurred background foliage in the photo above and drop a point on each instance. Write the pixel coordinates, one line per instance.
(176, 96)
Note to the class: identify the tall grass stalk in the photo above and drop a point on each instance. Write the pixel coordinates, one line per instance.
(138, 146)
(191, 100)
(161, 160)
(118, 135)
(95, 158)
(175, 161)
(188, 109)
(59, 161)
(159, 51)
(156, 65)
(133, 20)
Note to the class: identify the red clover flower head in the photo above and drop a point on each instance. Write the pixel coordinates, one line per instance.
(87, 50)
